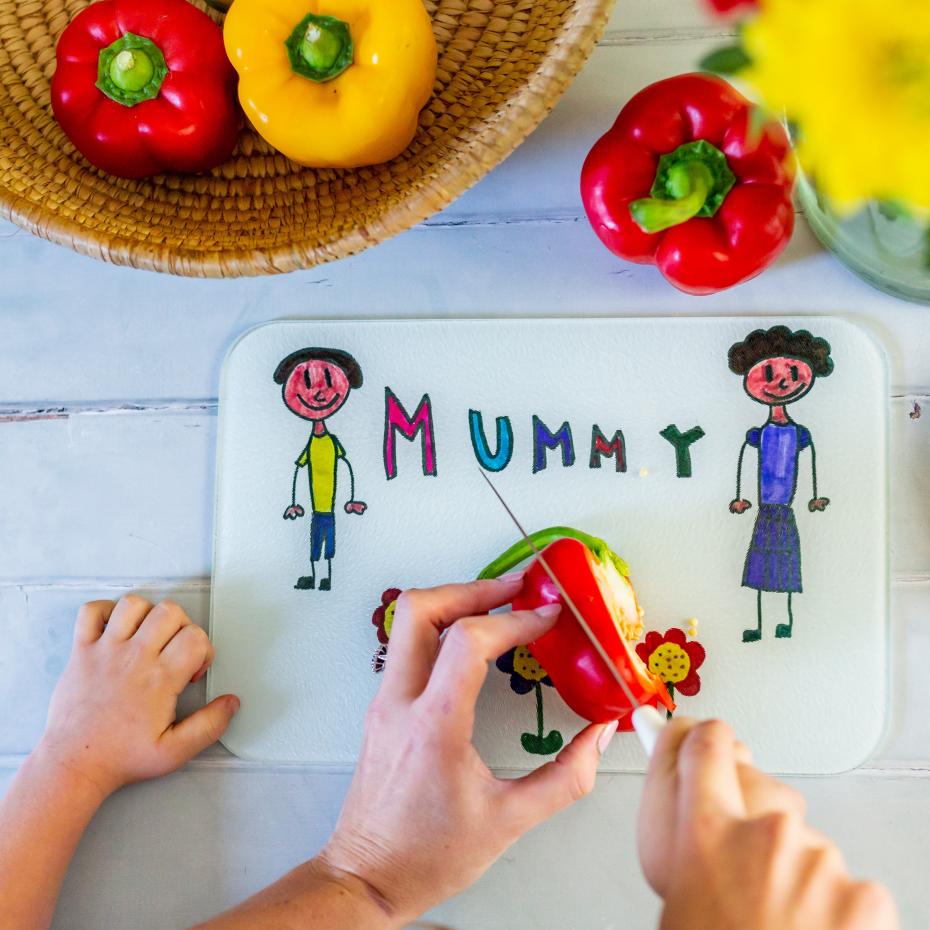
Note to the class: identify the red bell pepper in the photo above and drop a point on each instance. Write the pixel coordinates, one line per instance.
(690, 179)
(728, 6)
(144, 86)
(598, 583)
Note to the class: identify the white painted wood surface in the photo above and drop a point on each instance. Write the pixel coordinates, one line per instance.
(107, 417)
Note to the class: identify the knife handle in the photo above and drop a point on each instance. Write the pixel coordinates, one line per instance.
(648, 724)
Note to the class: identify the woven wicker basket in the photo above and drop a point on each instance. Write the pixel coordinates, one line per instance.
(502, 66)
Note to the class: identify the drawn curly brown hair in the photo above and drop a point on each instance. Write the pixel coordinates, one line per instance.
(781, 341)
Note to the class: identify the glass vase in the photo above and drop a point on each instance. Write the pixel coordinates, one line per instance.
(884, 246)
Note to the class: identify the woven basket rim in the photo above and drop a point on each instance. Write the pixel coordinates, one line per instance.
(529, 107)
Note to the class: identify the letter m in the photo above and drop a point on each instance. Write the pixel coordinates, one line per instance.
(601, 448)
(397, 420)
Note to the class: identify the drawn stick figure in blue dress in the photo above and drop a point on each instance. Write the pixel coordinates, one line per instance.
(779, 367)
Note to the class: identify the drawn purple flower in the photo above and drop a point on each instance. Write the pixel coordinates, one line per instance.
(527, 675)
(523, 669)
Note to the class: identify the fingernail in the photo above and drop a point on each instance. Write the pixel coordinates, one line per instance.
(511, 577)
(548, 610)
(606, 735)
(234, 704)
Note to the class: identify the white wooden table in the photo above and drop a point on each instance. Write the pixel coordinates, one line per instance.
(107, 424)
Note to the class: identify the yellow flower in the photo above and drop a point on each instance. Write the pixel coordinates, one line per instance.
(854, 75)
(389, 617)
(670, 662)
(526, 666)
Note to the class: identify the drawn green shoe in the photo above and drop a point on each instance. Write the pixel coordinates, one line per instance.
(783, 631)
(752, 636)
(305, 583)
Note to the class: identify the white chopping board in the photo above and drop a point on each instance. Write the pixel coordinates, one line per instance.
(301, 659)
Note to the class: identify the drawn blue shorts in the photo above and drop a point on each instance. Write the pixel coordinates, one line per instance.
(322, 536)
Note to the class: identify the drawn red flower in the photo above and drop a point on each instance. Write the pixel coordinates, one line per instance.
(383, 620)
(383, 617)
(674, 659)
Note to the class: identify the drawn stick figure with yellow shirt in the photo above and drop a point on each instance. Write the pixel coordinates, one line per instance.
(315, 383)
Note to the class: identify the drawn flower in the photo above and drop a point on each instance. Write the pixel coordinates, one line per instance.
(383, 620)
(523, 669)
(674, 660)
(526, 675)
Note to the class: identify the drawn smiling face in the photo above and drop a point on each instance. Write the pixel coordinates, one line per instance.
(316, 389)
(779, 380)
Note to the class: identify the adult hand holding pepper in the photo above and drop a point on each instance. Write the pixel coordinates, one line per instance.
(424, 816)
(144, 86)
(690, 180)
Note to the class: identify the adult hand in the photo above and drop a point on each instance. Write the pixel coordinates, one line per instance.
(424, 816)
(358, 507)
(740, 505)
(727, 847)
(818, 503)
(112, 714)
(293, 512)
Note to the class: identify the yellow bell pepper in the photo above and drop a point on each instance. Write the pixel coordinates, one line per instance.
(333, 83)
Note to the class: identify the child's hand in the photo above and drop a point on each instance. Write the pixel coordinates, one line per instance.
(727, 846)
(739, 506)
(293, 512)
(112, 714)
(424, 816)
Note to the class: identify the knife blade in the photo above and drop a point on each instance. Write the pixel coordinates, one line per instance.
(647, 721)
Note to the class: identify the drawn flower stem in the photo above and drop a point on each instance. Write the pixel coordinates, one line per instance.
(671, 693)
(539, 709)
(540, 743)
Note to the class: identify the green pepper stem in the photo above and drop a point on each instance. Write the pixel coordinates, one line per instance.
(320, 47)
(131, 70)
(522, 550)
(689, 183)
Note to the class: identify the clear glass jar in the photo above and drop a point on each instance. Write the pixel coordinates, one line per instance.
(886, 248)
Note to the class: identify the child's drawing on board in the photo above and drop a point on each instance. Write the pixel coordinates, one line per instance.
(779, 367)
(315, 383)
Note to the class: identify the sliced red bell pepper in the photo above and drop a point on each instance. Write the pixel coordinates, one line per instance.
(691, 179)
(144, 86)
(598, 583)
